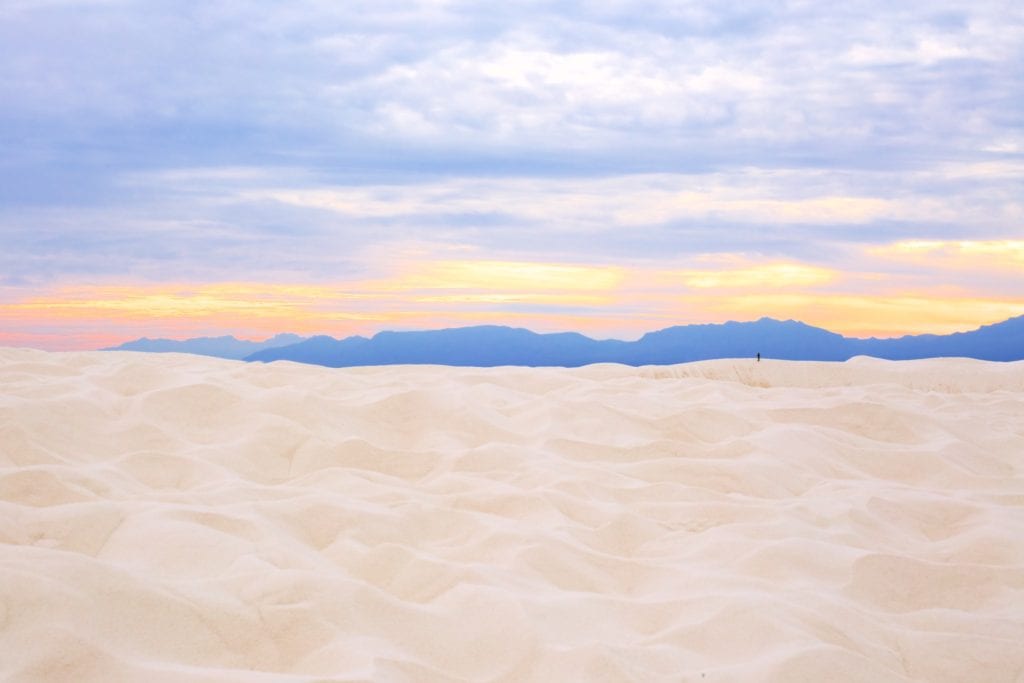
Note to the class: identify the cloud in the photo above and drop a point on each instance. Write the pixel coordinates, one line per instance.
(230, 223)
(667, 82)
(764, 275)
(308, 143)
(981, 256)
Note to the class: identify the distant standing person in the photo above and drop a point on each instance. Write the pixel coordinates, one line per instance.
(758, 356)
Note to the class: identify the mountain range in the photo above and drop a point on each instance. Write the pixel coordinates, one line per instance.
(220, 347)
(490, 345)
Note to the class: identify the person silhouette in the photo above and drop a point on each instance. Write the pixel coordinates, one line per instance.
(758, 356)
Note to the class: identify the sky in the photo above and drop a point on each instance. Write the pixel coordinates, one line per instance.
(180, 168)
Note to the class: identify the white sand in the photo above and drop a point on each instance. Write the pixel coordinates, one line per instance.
(175, 518)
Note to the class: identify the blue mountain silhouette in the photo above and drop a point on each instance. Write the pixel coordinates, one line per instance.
(220, 347)
(489, 345)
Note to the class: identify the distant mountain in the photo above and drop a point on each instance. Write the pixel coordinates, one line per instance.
(790, 340)
(220, 347)
(787, 340)
(319, 350)
(466, 346)
(1001, 341)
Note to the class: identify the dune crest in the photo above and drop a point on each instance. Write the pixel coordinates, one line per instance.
(177, 518)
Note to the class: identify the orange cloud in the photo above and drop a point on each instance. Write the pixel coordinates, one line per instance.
(774, 275)
(958, 255)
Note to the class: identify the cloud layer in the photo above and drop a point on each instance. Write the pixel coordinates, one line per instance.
(796, 158)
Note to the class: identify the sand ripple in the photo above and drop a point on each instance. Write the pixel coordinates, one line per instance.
(175, 518)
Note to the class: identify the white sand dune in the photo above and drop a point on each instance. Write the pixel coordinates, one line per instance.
(175, 518)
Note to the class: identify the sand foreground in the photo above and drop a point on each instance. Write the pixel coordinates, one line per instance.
(175, 518)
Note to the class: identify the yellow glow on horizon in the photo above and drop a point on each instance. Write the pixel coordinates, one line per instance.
(422, 291)
(440, 288)
(767, 275)
(957, 254)
(433, 281)
(160, 301)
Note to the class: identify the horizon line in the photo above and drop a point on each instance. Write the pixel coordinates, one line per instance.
(532, 331)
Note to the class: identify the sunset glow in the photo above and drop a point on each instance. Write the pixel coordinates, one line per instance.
(318, 169)
(605, 300)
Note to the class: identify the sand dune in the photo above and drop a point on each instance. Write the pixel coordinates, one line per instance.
(175, 518)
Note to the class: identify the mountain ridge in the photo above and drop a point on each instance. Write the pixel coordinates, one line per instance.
(491, 345)
(225, 346)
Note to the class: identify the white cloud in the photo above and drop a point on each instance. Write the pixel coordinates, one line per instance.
(668, 78)
(214, 134)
